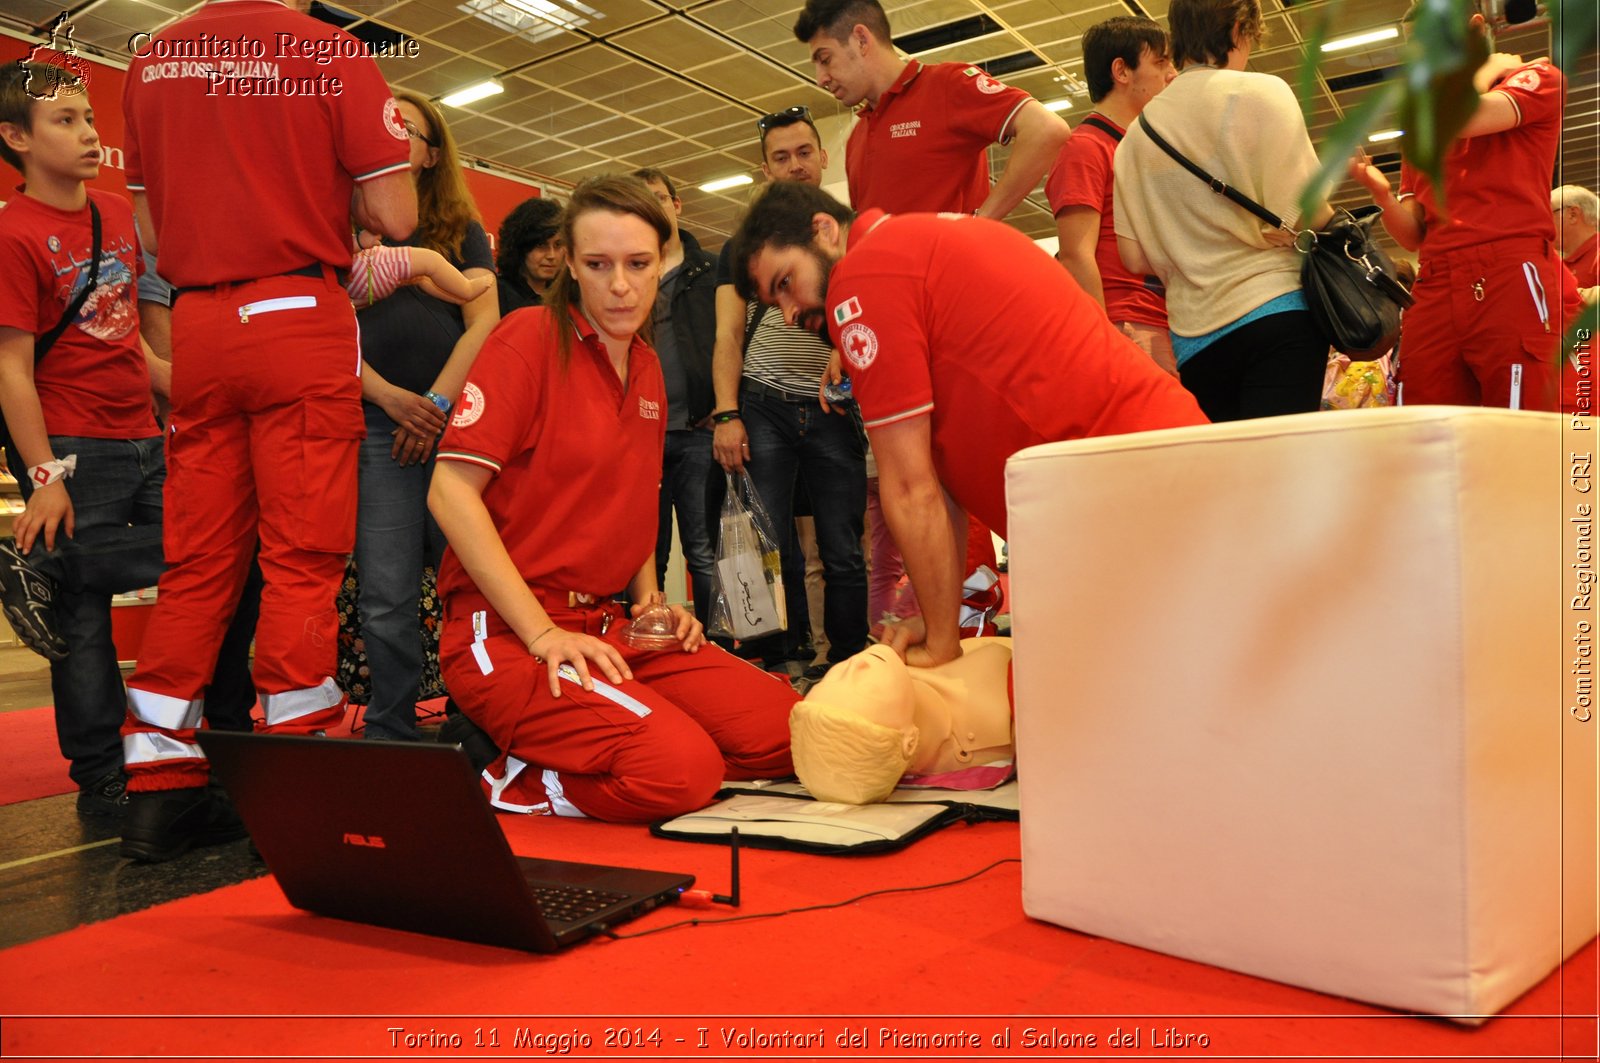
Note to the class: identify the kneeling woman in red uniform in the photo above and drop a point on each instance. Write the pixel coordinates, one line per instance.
(546, 489)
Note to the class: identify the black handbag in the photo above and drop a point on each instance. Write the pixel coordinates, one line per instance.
(1350, 284)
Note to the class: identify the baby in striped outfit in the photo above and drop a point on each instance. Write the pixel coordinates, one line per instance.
(379, 270)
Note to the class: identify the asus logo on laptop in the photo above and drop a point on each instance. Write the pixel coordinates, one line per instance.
(367, 841)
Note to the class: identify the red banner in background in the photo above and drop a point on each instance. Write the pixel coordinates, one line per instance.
(495, 195)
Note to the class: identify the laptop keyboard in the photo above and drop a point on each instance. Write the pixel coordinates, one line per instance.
(571, 904)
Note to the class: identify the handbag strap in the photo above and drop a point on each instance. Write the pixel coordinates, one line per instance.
(1105, 127)
(1221, 188)
(45, 342)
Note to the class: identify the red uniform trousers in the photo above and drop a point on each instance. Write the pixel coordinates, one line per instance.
(266, 420)
(656, 746)
(1478, 314)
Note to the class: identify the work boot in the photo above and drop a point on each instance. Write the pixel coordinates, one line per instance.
(163, 824)
(29, 601)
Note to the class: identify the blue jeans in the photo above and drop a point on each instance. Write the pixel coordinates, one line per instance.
(794, 438)
(396, 538)
(687, 475)
(116, 547)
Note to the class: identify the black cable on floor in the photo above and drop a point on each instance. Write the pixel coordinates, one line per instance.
(814, 907)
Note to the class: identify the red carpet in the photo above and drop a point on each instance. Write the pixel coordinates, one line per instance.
(958, 960)
(34, 764)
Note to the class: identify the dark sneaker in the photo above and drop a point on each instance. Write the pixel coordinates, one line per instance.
(106, 796)
(163, 824)
(29, 601)
(810, 677)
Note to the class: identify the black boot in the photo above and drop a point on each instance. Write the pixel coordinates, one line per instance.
(163, 824)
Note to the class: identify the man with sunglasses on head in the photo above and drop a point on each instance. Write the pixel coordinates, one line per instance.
(770, 420)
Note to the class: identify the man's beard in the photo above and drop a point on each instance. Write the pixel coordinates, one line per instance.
(816, 321)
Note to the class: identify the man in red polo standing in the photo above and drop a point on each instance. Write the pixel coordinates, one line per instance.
(1490, 290)
(965, 344)
(246, 165)
(922, 141)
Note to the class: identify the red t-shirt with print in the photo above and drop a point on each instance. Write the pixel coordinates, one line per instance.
(93, 382)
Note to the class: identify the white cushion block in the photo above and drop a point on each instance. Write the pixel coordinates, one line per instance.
(1290, 699)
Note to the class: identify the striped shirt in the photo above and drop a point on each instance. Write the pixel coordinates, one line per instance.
(781, 355)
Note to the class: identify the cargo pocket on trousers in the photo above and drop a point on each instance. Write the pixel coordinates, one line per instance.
(330, 443)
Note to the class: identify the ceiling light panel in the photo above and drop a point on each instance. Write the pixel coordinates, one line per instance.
(769, 31)
(1370, 38)
(421, 18)
(460, 73)
(738, 75)
(676, 44)
(567, 68)
(534, 20)
(130, 15)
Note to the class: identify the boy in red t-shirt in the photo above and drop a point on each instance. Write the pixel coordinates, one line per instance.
(84, 446)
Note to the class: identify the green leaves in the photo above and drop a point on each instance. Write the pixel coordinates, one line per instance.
(1576, 28)
(1435, 96)
(1343, 140)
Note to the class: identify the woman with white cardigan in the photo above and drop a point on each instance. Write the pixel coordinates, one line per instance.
(1241, 330)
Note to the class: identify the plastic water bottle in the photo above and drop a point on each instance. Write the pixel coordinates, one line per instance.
(839, 394)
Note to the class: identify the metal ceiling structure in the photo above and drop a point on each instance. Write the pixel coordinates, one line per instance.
(598, 85)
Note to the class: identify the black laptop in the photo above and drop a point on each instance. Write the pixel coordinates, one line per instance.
(399, 834)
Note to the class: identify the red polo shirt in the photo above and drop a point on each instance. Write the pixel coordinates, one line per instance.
(93, 381)
(576, 455)
(1083, 177)
(924, 146)
(248, 161)
(1585, 267)
(1498, 185)
(1585, 263)
(967, 321)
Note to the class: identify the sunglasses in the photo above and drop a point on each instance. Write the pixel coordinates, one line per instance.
(413, 131)
(777, 119)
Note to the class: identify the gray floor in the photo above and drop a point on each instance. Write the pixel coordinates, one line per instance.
(59, 870)
(24, 679)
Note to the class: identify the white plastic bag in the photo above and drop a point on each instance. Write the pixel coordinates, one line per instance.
(748, 597)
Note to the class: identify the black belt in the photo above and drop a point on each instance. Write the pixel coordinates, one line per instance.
(766, 391)
(313, 270)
